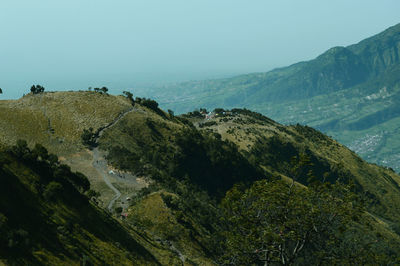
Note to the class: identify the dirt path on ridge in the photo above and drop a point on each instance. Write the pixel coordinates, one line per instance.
(100, 163)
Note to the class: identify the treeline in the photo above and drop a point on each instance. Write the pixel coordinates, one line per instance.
(54, 176)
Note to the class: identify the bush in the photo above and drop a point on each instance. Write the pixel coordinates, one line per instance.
(52, 190)
(88, 137)
(118, 210)
(37, 89)
(150, 104)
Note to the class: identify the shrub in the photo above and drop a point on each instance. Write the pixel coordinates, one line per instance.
(37, 89)
(118, 210)
(88, 137)
(52, 190)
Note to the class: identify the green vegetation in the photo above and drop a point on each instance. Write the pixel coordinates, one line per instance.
(101, 90)
(35, 89)
(89, 137)
(279, 222)
(129, 96)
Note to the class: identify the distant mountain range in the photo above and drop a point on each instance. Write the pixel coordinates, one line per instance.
(351, 93)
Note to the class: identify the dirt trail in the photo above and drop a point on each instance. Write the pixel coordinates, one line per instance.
(100, 163)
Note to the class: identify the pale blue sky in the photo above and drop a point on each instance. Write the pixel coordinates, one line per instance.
(126, 43)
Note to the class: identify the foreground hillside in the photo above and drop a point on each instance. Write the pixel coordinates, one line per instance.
(172, 185)
(45, 220)
(351, 93)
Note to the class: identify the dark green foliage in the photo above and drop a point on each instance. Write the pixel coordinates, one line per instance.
(53, 159)
(21, 148)
(211, 163)
(252, 114)
(124, 159)
(100, 90)
(207, 124)
(193, 114)
(151, 104)
(92, 194)
(1, 91)
(279, 222)
(89, 137)
(278, 154)
(40, 152)
(49, 167)
(52, 190)
(218, 111)
(129, 95)
(80, 181)
(104, 89)
(37, 89)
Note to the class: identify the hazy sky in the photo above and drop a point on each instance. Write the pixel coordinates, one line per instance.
(126, 43)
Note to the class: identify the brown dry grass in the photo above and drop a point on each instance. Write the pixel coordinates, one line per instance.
(68, 112)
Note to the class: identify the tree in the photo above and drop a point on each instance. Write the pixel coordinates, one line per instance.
(21, 148)
(278, 222)
(104, 90)
(37, 89)
(1, 91)
(52, 190)
(129, 95)
(40, 152)
(149, 103)
(118, 210)
(92, 194)
(88, 137)
(80, 181)
(53, 159)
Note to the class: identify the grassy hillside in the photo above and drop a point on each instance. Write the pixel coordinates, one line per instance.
(172, 173)
(57, 119)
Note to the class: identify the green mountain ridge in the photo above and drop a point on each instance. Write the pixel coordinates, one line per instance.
(347, 92)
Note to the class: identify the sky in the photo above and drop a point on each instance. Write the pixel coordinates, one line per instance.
(74, 44)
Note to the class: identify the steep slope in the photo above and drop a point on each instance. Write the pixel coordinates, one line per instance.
(156, 146)
(349, 92)
(272, 146)
(45, 220)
